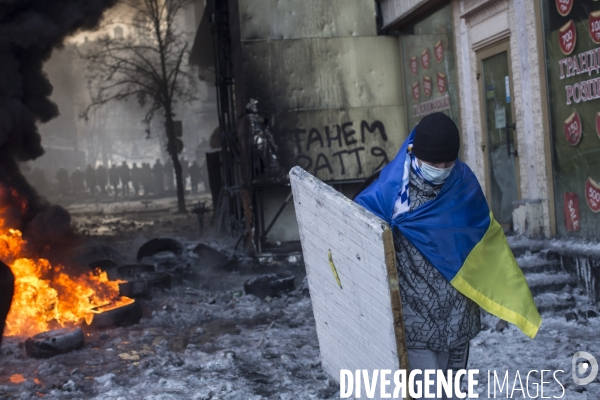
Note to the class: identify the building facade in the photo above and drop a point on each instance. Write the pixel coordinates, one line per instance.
(521, 81)
(308, 83)
(335, 87)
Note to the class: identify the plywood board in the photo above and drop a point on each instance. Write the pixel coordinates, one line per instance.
(351, 270)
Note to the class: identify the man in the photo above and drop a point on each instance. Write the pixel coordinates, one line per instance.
(169, 175)
(185, 169)
(77, 181)
(195, 176)
(136, 176)
(62, 176)
(147, 179)
(125, 178)
(441, 271)
(157, 173)
(204, 175)
(102, 178)
(113, 177)
(90, 179)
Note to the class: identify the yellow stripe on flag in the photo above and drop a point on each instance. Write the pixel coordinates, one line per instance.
(491, 277)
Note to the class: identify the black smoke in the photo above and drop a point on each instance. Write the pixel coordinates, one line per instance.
(29, 31)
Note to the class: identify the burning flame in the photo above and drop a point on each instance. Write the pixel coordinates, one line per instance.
(45, 294)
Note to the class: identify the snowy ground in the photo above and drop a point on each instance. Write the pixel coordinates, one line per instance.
(202, 340)
(194, 345)
(552, 349)
(198, 344)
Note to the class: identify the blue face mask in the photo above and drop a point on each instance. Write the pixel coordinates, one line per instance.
(435, 175)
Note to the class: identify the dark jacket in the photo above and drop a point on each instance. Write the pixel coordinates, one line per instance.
(101, 176)
(113, 175)
(124, 174)
(90, 177)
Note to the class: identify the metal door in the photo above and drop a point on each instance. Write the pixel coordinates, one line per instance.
(499, 132)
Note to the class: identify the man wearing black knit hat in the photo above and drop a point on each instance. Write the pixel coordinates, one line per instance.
(439, 321)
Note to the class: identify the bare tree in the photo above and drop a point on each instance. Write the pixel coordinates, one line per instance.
(147, 65)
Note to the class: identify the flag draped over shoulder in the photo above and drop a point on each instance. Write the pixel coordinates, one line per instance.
(457, 233)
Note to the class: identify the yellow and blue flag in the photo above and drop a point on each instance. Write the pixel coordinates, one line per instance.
(457, 233)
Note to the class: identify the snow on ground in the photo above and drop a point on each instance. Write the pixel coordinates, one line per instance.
(203, 339)
(210, 345)
(194, 345)
(197, 344)
(561, 245)
(552, 349)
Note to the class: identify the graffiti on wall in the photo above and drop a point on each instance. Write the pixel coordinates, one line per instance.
(348, 150)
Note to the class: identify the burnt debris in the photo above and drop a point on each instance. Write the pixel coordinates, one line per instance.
(52, 343)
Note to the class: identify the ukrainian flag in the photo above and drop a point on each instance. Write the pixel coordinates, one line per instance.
(457, 233)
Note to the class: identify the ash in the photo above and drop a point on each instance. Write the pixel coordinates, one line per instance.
(204, 339)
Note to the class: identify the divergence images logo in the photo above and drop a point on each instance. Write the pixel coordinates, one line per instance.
(590, 364)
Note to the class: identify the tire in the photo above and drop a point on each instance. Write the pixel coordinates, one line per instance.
(88, 254)
(52, 343)
(271, 285)
(209, 256)
(121, 316)
(157, 245)
(103, 264)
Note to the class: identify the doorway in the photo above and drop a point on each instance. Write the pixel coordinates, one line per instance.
(499, 131)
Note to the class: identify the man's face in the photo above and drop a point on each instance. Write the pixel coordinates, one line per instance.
(446, 164)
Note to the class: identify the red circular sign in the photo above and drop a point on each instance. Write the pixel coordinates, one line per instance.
(567, 37)
(425, 59)
(594, 25)
(438, 49)
(416, 92)
(441, 82)
(573, 128)
(592, 194)
(414, 65)
(564, 7)
(427, 85)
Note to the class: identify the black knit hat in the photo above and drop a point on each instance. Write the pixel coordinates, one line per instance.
(436, 139)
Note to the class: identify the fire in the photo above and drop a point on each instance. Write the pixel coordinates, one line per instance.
(46, 294)
(17, 378)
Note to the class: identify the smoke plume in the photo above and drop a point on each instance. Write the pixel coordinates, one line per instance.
(29, 31)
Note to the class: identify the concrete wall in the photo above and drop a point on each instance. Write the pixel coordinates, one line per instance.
(319, 70)
(329, 86)
(393, 10)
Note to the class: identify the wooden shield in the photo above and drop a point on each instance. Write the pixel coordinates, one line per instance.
(351, 269)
